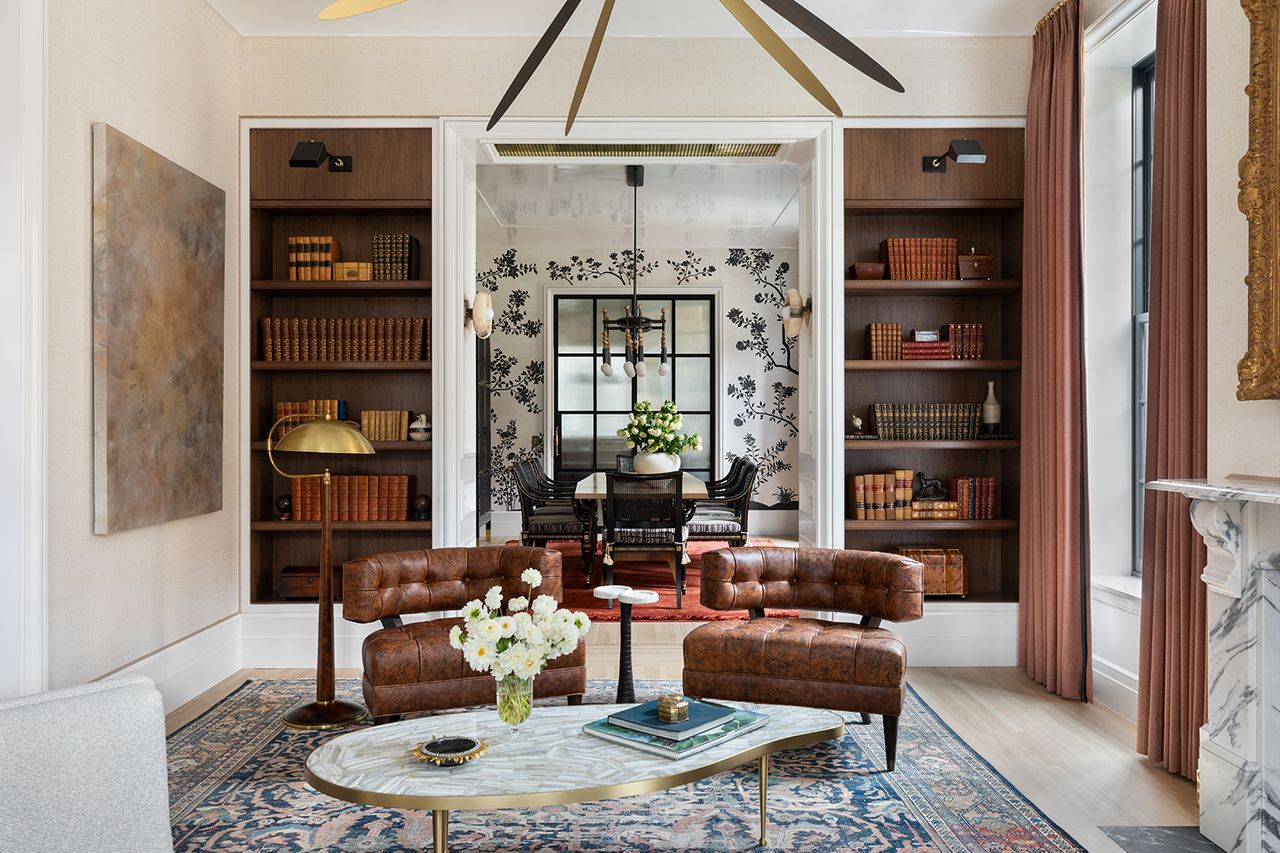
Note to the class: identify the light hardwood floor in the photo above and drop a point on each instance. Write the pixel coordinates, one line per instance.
(1075, 761)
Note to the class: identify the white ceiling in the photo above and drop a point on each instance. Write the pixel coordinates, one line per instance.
(679, 204)
(637, 18)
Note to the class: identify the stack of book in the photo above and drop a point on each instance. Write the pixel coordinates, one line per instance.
(312, 258)
(336, 409)
(358, 497)
(395, 257)
(926, 350)
(884, 341)
(946, 570)
(385, 425)
(920, 258)
(345, 338)
(882, 497)
(967, 340)
(708, 725)
(927, 421)
(975, 497)
(935, 510)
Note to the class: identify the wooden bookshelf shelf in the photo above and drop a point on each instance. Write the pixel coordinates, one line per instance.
(886, 287)
(379, 446)
(958, 524)
(877, 444)
(342, 526)
(342, 288)
(985, 364)
(930, 205)
(342, 366)
(338, 205)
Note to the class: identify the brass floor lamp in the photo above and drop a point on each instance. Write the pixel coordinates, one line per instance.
(325, 435)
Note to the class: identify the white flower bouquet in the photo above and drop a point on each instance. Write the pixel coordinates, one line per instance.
(515, 643)
(658, 431)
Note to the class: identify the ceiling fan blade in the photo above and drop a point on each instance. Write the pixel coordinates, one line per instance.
(589, 64)
(830, 38)
(340, 9)
(535, 59)
(781, 53)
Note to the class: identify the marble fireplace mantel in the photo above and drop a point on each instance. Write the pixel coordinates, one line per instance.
(1239, 519)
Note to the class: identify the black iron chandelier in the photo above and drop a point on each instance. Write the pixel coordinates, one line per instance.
(798, 16)
(633, 323)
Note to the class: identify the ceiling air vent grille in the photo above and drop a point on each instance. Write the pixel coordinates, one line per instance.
(754, 150)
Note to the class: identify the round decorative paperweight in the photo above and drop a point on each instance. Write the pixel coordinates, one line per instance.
(450, 750)
(673, 708)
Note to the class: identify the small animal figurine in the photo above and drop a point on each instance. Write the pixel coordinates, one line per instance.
(928, 490)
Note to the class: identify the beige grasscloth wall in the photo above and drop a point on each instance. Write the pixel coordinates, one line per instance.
(634, 77)
(1244, 438)
(166, 72)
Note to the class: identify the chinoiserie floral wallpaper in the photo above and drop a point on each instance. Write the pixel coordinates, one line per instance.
(758, 372)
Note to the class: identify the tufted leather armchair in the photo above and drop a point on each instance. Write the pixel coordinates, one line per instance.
(411, 667)
(817, 663)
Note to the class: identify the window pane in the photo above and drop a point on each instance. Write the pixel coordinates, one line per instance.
(693, 384)
(576, 433)
(613, 392)
(693, 327)
(573, 383)
(652, 387)
(609, 445)
(576, 330)
(701, 425)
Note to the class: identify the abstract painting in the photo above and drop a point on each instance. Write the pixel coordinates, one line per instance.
(159, 245)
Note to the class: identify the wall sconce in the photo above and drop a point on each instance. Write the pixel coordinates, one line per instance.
(479, 315)
(965, 151)
(310, 154)
(799, 313)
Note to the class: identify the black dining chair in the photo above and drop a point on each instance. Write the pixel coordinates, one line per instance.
(549, 512)
(724, 515)
(644, 513)
(626, 463)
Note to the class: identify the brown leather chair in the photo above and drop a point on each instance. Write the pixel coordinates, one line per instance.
(411, 667)
(843, 666)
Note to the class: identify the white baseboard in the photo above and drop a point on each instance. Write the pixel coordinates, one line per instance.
(1115, 687)
(960, 633)
(187, 668)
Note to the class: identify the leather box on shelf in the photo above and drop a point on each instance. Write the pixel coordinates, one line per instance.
(976, 266)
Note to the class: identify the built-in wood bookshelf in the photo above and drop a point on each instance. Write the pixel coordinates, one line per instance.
(387, 191)
(887, 194)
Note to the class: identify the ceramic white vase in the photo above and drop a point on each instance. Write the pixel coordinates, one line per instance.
(991, 411)
(657, 463)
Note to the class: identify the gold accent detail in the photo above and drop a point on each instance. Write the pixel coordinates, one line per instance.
(673, 708)
(743, 150)
(440, 830)
(321, 434)
(589, 64)
(340, 9)
(764, 800)
(1259, 370)
(420, 753)
(575, 795)
(1057, 7)
(782, 53)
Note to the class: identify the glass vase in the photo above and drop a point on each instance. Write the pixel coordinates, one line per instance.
(515, 701)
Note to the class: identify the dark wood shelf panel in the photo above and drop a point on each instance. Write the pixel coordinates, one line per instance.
(342, 288)
(877, 444)
(930, 205)
(958, 524)
(380, 446)
(973, 598)
(887, 287)
(411, 526)
(978, 365)
(338, 205)
(342, 366)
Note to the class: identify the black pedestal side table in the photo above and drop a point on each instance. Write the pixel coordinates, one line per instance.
(626, 597)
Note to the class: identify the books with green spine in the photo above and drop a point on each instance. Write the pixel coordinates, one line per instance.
(740, 723)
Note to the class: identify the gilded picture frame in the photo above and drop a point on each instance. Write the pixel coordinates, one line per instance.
(1259, 370)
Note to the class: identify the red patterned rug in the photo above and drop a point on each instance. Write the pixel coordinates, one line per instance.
(652, 575)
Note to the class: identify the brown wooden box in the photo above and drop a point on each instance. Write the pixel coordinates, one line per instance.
(303, 582)
(353, 271)
(976, 266)
(946, 570)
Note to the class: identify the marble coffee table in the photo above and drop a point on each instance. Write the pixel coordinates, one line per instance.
(550, 762)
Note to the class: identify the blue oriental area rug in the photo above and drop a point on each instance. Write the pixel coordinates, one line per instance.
(235, 783)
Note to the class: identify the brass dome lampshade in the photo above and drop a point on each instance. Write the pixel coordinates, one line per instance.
(324, 435)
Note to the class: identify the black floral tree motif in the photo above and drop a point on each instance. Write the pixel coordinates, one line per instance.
(690, 268)
(771, 291)
(514, 320)
(505, 455)
(580, 269)
(776, 411)
(524, 387)
(505, 266)
(770, 462)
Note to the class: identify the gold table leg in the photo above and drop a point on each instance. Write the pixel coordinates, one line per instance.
(440, 830)
(764, 800)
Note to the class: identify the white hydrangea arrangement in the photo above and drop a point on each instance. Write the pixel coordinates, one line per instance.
(519, 640)
(650, 431)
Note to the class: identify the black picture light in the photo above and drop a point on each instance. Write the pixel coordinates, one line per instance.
(966, 151)
(310, 154)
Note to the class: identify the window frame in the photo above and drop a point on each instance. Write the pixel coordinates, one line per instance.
(1144, 79)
